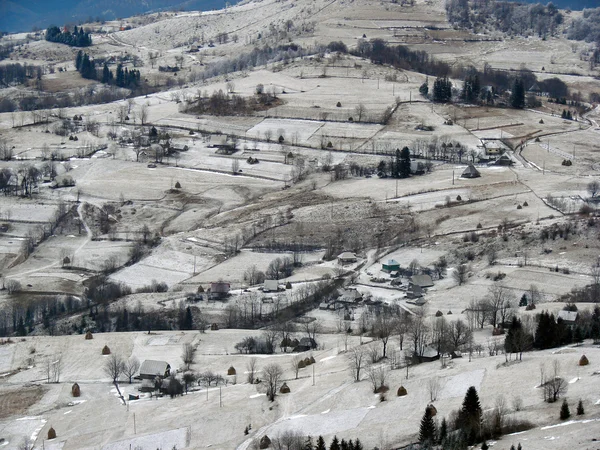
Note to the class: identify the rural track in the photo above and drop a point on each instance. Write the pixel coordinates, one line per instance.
(88, 238)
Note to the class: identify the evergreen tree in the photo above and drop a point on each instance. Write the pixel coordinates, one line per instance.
(335, 444)
(442, 90)
(484, 446)
(404, 169)
(21, 331)
(443, 431)
(320, 444)
(105, 74)
(343, 445)
(565, 413)
(427, 429)
(396, 165)
(519, 447)
(78, 60)
(120, 76)
(580, 411)
(424, 89)
(517, 96)
(470, 415)
(358, 445)
(523, 301)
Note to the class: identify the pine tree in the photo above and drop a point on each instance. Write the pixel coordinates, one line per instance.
(565, 413)
(78, 60)
(484, 446)
(404, 169)
(580, 411)
(443, 431)
(424, 89)
(519, 447)
(320, 444)
(517, 97)
(427, 429)
(335, 444)
(358, 445)
(470, 415)
(343, 445)
(512, 447)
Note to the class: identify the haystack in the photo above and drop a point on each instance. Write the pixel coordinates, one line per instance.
(265, 442)
(285, 389)
(402, 391)
(88, 335)
(214, 327)
(312, 359)
(307, 362)
(51, 433)
(200, 289)
(106, 350)
(432, 410)
(75, 390)
(231, 371)
(583, 361)
(301, 364)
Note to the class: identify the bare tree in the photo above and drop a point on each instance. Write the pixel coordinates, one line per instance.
(360, 111)
(461, 273)
(296, 360)
(357, 359)
(130, 368)
(434, 386)
(459, 335)
(113, 367)
(385, 325)
(500, 302)
(534, 295)
(251, 370)
(378, 377)
(555, 385)
(272, 377)
(419, 334)
(188, 355)
(143, 114)
(53, 368)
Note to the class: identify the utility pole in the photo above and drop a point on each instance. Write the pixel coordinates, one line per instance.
(396, 187)
(313, 374)
(134, 427)
(220, 398)
(452, 177)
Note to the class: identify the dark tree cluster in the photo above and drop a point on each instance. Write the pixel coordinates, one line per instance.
(551, 332)
(508, 17)
(442, 90)
(18, 73)
(123, 77)
(379, 52)
(78, 38)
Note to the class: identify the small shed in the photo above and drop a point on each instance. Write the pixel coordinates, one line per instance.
(391, 265)
(346, 258)
(151, 369)
(75, 390)
(423, 281)
(219, 290)
(284, 389)
(471, 172)
(270, 286)
(504, 160)
(305, 344)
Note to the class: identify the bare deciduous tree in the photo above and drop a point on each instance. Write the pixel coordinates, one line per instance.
(113, 367)
(461, 273)
(357, 359)
(296, 365)
(272, 377)
(251, 370)
(188, 355)
(130, 368)
(378, 377)
(434, 386)
(555, 385)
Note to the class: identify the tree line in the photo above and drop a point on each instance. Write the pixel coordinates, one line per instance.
(78, 38)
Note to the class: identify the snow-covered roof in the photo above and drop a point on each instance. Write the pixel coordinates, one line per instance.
(270, 285)
(155, 368)
(567, 316)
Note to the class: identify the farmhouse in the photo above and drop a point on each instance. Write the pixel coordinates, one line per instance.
(151, 369)
(427, 354)
(347, 258)
(568, 317)
(218, 290)
(493, 148)
(471, 172)
(414, 291)
(391, 265)
(423, 281)
(305, 344)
